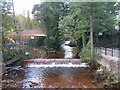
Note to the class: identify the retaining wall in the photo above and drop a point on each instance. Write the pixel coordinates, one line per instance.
(111, 63)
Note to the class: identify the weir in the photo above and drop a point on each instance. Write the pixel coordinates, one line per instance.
(50, 73)
(57, 65)
(54, 63)
(68, 60)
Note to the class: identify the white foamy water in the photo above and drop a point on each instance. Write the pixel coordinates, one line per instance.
(58, 65)
(68, 50)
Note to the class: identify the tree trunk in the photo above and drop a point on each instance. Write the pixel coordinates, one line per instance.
(91, 35)
(83, 39)
(118, 43)
(16, 25)
(96, 41)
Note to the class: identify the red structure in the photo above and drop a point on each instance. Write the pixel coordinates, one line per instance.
(29, 34)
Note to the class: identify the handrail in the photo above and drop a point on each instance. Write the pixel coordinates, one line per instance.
(108, 51)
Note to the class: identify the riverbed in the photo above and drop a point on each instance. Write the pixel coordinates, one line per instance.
(24, 76)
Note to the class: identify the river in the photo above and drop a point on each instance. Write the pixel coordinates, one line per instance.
(63, 73)
(25, 76)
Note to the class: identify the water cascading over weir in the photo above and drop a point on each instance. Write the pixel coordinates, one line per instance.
(68, 60)
(52, 73)
(55, 63)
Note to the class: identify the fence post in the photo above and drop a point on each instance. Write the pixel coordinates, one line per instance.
(96, 49)
(105, 51)
(112, 52)
(100, 49)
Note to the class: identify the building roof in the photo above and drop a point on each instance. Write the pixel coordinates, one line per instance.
(30, 33)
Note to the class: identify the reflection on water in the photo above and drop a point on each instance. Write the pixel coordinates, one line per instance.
(55, 77)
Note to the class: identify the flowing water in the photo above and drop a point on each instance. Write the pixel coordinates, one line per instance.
(68, 50)
(36, 76)
(38, 73)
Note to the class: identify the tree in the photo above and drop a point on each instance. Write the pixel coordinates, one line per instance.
(22, 21)
(26, 22)
(48, 15)
(78, 20)
(7, 27)
(74, 25)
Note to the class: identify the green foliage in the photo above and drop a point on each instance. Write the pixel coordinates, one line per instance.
(42, 52)
(22, 55)
(16, 54)
(9, 55)
(71, 21)
(85, 54)
(37, 42)
(26, 22)
(7, 24)
(7, 27)
(109, 76)
(67, 28)
(47, 15)
(77, 22)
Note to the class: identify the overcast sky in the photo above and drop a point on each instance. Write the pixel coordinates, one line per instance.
(22, 6)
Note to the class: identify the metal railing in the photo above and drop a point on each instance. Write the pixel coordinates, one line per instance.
(114, 52)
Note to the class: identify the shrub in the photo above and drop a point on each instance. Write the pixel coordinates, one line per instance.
(85, 54)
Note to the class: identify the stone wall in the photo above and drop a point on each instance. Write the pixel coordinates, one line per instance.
(111, 63)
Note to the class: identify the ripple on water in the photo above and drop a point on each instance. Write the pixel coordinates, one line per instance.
(40, 77)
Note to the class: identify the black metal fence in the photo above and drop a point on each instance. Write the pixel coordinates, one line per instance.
(114, 52)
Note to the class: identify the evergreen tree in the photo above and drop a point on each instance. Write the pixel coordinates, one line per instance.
(77, 23)
(48, 15)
